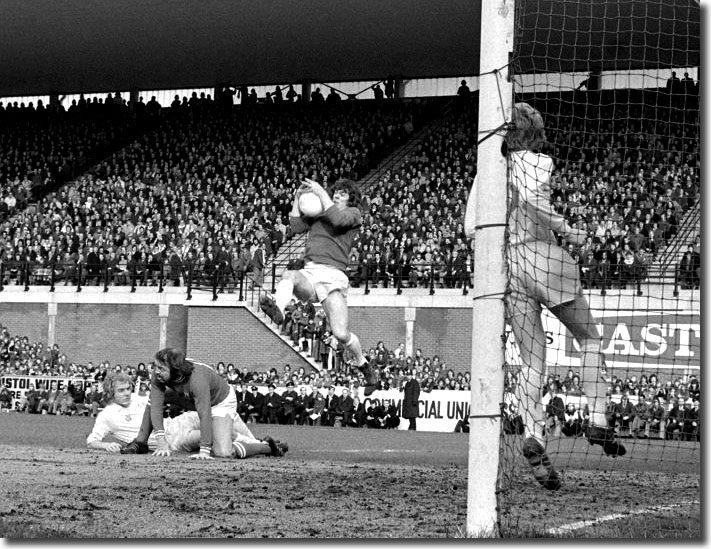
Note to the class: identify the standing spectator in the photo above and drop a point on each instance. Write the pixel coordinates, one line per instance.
(257, 264)
(463, 92)
(411, 400)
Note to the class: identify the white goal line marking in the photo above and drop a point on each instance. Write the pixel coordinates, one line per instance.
(616, 516)
(375, 451)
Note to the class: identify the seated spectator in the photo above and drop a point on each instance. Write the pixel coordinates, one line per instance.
(346, 407)
(555, 410)
(357, 419)
(272, 406)
(375, 416)
(623, 415)
(513, 422)
(642, 418)
(254, 406)
(5, 399)
(572, 421)
(675, 421)
(691, 418)
(65, 401)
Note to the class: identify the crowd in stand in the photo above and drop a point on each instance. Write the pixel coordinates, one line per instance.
(205, 189)
(639, 407)
(644, 406)
(627, 175)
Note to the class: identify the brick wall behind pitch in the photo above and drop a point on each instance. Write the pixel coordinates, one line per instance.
(373, 324)
(25, 319)
(235, 335)
(124, 334)
(447, 333)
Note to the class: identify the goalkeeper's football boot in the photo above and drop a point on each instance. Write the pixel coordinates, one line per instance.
(269, 306)
(543, 469)
(135, 447)
(605, 437)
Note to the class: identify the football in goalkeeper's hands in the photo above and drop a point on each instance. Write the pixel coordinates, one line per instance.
(310, 205)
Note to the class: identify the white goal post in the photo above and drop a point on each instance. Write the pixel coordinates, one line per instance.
(487, 375)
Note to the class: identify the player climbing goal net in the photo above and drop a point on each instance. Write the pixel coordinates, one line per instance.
(602, 271)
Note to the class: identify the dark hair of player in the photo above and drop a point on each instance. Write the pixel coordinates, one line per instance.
(180, 368)
(350, 186)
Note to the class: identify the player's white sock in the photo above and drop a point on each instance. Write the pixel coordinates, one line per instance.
(593, 362)
(246, 449)
(240, 450)
(353, 346)
(284, 291)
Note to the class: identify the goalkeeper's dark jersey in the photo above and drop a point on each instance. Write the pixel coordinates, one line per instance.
(331, 235)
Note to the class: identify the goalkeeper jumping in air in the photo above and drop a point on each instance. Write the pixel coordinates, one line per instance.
(323, 278)
(543, 274)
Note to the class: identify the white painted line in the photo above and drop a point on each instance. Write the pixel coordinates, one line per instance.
(374, 450)
(616, 516)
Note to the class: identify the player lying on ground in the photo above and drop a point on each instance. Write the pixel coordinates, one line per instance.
(323, 278)
(216, 422)
(120, 422)
(544, 274)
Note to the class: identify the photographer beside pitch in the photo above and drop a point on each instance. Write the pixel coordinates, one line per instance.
(128, 423)
(544, 274)
(323, 278)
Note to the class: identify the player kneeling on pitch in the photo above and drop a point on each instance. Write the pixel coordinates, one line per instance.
(323, 278)
(544, 274)
(123, 420)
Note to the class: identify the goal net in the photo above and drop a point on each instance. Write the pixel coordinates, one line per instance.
(603, 249)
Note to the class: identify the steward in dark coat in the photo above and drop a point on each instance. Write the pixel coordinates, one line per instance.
(411, 401)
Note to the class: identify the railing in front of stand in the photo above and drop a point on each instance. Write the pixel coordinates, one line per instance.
(398, 277)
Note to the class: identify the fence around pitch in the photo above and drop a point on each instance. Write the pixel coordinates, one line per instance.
(398, 277)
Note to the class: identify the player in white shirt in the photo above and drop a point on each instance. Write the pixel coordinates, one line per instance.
(119, 422)
(542, 273)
